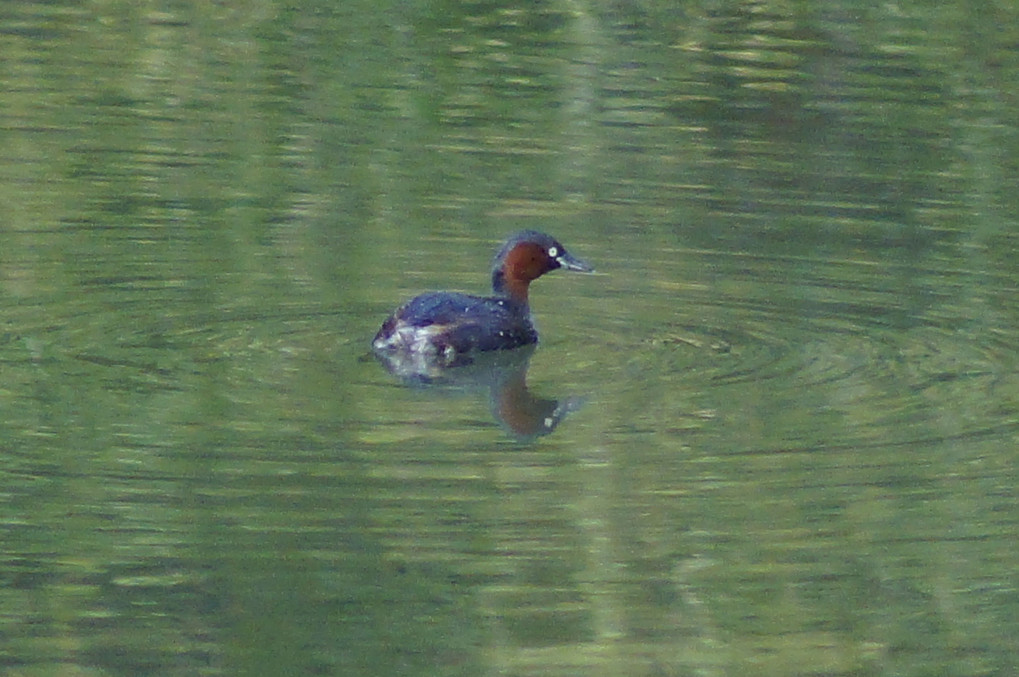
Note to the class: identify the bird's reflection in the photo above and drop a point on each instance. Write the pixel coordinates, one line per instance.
(503, 374)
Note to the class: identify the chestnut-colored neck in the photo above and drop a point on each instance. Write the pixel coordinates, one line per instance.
(522, 264)
(507, 285)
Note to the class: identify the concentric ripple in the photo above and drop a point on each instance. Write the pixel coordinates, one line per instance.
(831, 351)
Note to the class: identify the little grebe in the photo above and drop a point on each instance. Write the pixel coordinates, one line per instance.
(445, 325)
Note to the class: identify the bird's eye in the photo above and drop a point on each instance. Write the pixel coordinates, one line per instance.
(553, 252)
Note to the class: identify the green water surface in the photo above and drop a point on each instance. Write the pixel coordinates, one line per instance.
(794, 387)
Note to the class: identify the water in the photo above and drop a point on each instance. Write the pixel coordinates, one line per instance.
(789, 394)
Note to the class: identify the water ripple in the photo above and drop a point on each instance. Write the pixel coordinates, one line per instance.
(833, 352)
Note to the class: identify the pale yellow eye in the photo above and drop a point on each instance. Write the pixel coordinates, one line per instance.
(553, 252)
